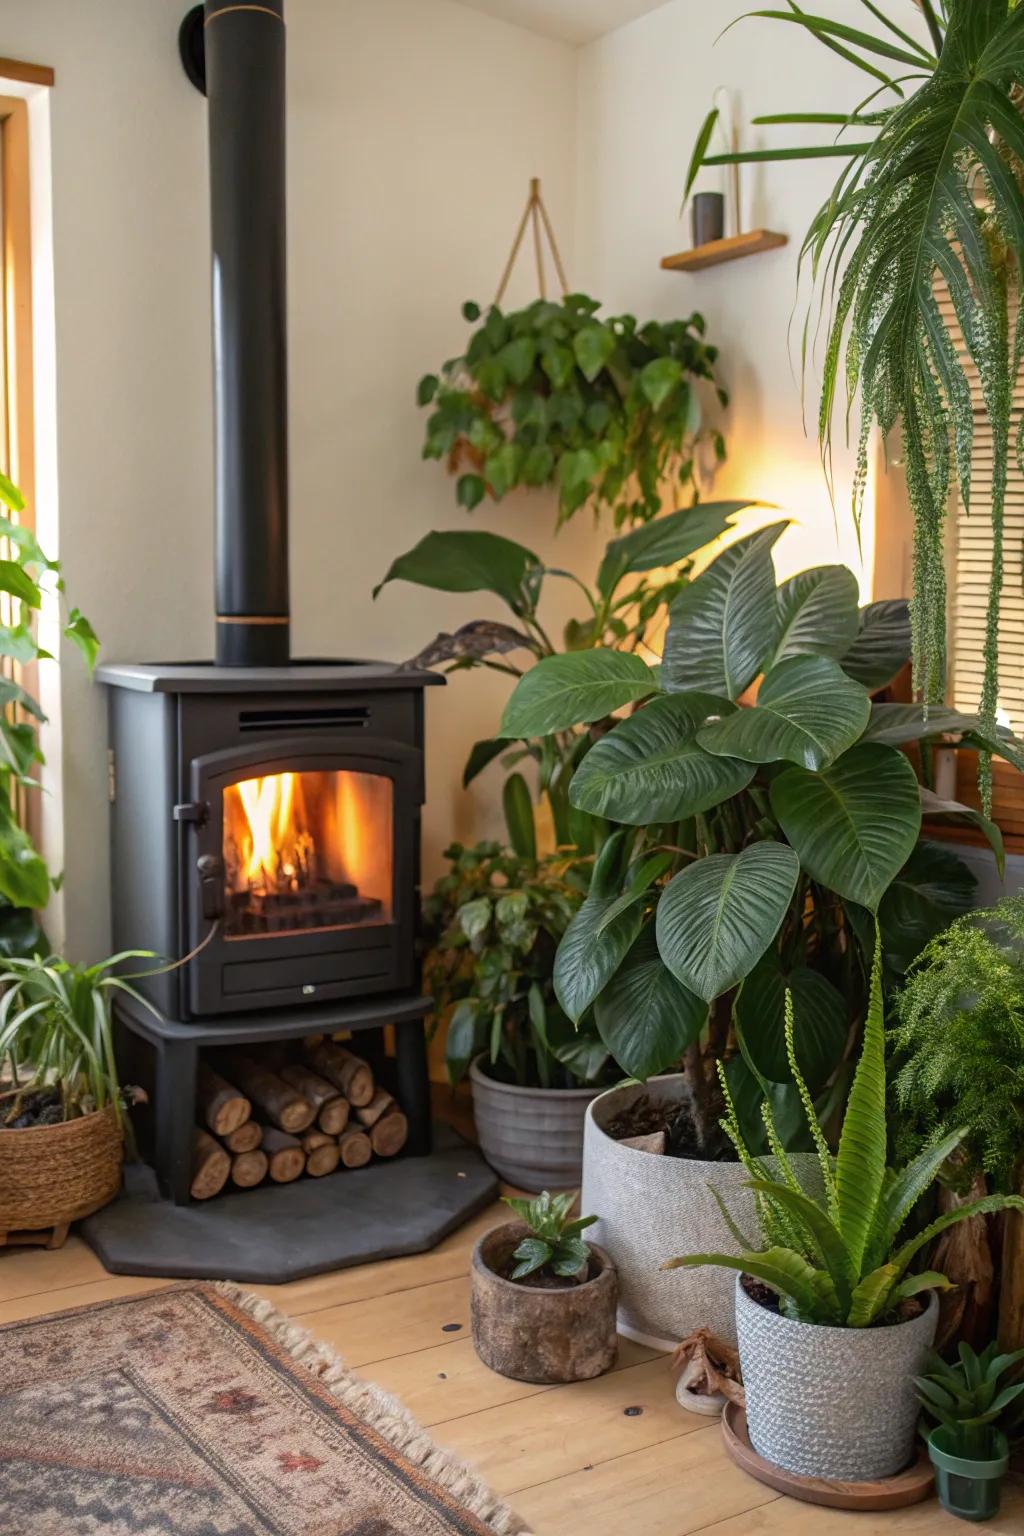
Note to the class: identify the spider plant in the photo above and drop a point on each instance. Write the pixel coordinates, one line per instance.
(930, 199)
(56, 1029)
(838, 1261)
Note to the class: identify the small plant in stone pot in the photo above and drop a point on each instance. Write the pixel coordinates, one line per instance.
(833, 1324)
(542, 1299)
(969, 1449)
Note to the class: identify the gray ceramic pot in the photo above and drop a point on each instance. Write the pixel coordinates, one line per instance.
(532, 1137)
(652, 1208)
(832, 1402)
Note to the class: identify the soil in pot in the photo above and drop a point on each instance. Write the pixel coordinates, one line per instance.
(43, 1107)
(647, 1116)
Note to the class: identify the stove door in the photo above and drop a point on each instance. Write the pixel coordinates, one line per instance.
(302, 860)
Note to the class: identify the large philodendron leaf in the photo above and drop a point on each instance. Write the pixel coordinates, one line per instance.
(645, 1016)
(896, 724)
(808, 712)
(466, 562)
(665, 541)
(650, 767)
(718, 916)
(818, 613)
(575, 689)
(855, 823)
(933, 887)
(883, 644)
(821, 1028)
(592, 950)
(725, 624)
(965, 815)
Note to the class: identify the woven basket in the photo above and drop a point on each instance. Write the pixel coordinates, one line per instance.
(51, 1175)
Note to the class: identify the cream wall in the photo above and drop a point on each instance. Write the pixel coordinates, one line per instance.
(644, 92)
(414, 127)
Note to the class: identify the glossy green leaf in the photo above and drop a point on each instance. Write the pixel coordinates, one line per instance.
(724, 624)
(593, 346)
(82, 635)
(953, 810)
(719, 915)
(855, 823)
(481, 754)
(807, 712)
(896, 724)
(860, 1161)
(882, 646)
(518, 807)
(667, 540)
(933, 887)
(700, 149)
(659, 378)
(645, 1017)
(589, 956)
(818, 613)
(470, 491)
(466, 562)
(650, 767)
(821, 1027)
(24, 878)
(15, 580)
(575, 689)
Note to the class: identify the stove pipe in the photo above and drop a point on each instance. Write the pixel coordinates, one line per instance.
(245, 83)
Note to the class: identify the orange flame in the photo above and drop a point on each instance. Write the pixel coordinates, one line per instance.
(267, 804)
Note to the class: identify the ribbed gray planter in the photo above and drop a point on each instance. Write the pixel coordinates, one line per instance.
(832, 1402)
(532, 1137)
(653, 1208)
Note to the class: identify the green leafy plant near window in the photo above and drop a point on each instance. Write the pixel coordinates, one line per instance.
(640, 574)
(838, 1260)
(931, 195)
(754, 845)
(605, 410)
(554, 1241)
(958, 1046)
(493, 924)
(26, 574)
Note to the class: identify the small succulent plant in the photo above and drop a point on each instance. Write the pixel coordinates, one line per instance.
(554, 1242)
(966, 1397)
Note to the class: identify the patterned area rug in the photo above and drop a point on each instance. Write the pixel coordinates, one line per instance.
(201, 1411)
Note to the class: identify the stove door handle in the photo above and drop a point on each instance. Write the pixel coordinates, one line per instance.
(211, 886)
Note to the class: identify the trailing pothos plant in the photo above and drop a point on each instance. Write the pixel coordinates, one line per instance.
(754, 844)
(493, 924)
(838, 1260)
(26, 575)
(931, 198)
(639, 576)
(606, 410)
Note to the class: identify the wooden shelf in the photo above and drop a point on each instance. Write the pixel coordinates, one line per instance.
(717, 251)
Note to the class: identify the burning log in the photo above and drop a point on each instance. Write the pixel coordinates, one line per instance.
(285, 1157)
(249, 1169)
(210, 1166)
(246, 1139)
(354, 1148)
(352, 1076)
(281, 1104)
(332, 1109)
(322, 1153)
(390, 1134)
(381, 1104)
(223, 1108)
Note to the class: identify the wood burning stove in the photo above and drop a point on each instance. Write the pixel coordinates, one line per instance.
(265, 812)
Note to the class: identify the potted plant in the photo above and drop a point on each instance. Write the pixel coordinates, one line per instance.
(542, 1301)
(833, 1325)
(753, 845)
(606, 410)
(969, 1451)
(929, 199)
(62, 1113)
(493, 923)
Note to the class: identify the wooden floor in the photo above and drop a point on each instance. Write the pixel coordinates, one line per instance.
(594, 1459)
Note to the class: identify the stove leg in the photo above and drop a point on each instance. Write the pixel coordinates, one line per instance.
(413, 1085)
(172, 1151)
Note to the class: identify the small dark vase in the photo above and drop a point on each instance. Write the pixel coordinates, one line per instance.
(708, 217)
(541, 1335)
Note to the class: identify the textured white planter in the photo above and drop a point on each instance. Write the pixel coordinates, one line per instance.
(532, 1137)
(832, 1402)
(653, 1208)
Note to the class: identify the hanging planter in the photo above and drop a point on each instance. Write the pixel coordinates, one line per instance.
(605, 410)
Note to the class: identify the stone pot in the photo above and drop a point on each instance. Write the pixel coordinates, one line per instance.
(532, 1137)
(652, 1208)
(835, 1403)
(539, 1335)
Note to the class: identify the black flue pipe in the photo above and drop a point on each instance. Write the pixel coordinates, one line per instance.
(245, 85)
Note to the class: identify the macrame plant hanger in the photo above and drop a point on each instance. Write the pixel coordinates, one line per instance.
(536, 214)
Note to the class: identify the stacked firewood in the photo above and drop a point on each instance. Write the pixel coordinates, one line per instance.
(273, 1119)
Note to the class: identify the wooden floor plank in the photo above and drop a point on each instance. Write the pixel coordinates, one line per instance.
(61, 1300)
(32, 1271)
(399, 1324)
(789, 1518)
(570, 1428)
(674, 1488)
(449, 1382)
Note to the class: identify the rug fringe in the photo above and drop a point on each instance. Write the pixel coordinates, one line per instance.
(380, 1411)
